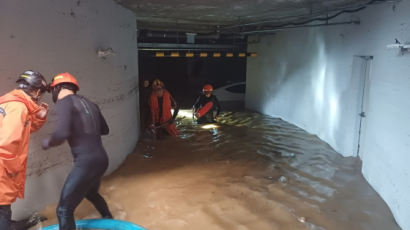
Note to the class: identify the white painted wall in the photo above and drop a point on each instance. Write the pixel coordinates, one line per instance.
(305, 76)
(53, 36)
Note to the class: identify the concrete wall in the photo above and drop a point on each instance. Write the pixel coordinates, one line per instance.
(309, 77)
(53, 36)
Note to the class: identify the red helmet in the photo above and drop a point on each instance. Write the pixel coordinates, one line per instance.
(64, 78)
(208, 88)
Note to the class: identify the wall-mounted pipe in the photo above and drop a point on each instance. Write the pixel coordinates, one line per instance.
(296, 27)
(349, 9)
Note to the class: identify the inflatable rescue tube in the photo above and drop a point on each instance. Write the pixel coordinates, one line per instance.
(102, 224)
(204, 109)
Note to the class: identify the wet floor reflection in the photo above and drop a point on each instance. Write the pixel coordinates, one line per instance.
(247, 172)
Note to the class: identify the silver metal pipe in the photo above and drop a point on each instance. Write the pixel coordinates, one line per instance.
(319, 13)
(171, 46)
(215, 36)
(301, 26)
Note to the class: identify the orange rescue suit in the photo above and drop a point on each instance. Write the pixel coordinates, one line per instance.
(166, 112)
(17, 120)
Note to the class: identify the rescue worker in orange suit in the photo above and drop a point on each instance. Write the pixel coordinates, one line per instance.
(80, 122)
(206, 107)
(20, 114)
(161, 104)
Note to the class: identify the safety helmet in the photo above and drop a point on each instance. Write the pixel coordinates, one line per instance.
(158, 84)
(64, 78)
(32, 80)
(208, 88)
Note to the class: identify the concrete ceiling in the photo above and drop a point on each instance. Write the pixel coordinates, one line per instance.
(211, 15)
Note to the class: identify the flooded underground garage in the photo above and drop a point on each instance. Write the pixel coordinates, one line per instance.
(249, 171)
(229, 114)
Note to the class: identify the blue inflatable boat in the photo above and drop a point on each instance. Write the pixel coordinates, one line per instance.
(103, 224)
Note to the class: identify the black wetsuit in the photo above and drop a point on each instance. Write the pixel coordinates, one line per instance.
(145, 118)
(202, 101)
(82, 124)
(5, 217)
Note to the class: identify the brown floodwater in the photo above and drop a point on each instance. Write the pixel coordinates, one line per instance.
(250, 172)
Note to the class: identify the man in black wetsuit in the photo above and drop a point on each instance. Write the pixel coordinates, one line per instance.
(145, 93)
(206, 107)
(81, 123)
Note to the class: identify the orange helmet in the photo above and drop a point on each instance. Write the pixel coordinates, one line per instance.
(158, 84)
(208, 88)
(64, 78)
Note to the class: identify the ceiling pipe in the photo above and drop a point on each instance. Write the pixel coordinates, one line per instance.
(350, 9)
(267, 31)
(308, 20)
(213, 36)
(155, 34)
(175, 46)
(195, 50)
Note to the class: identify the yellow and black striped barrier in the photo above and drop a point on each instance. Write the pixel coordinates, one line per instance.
(191, 54)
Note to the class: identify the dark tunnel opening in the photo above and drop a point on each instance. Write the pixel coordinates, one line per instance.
(185, 77)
